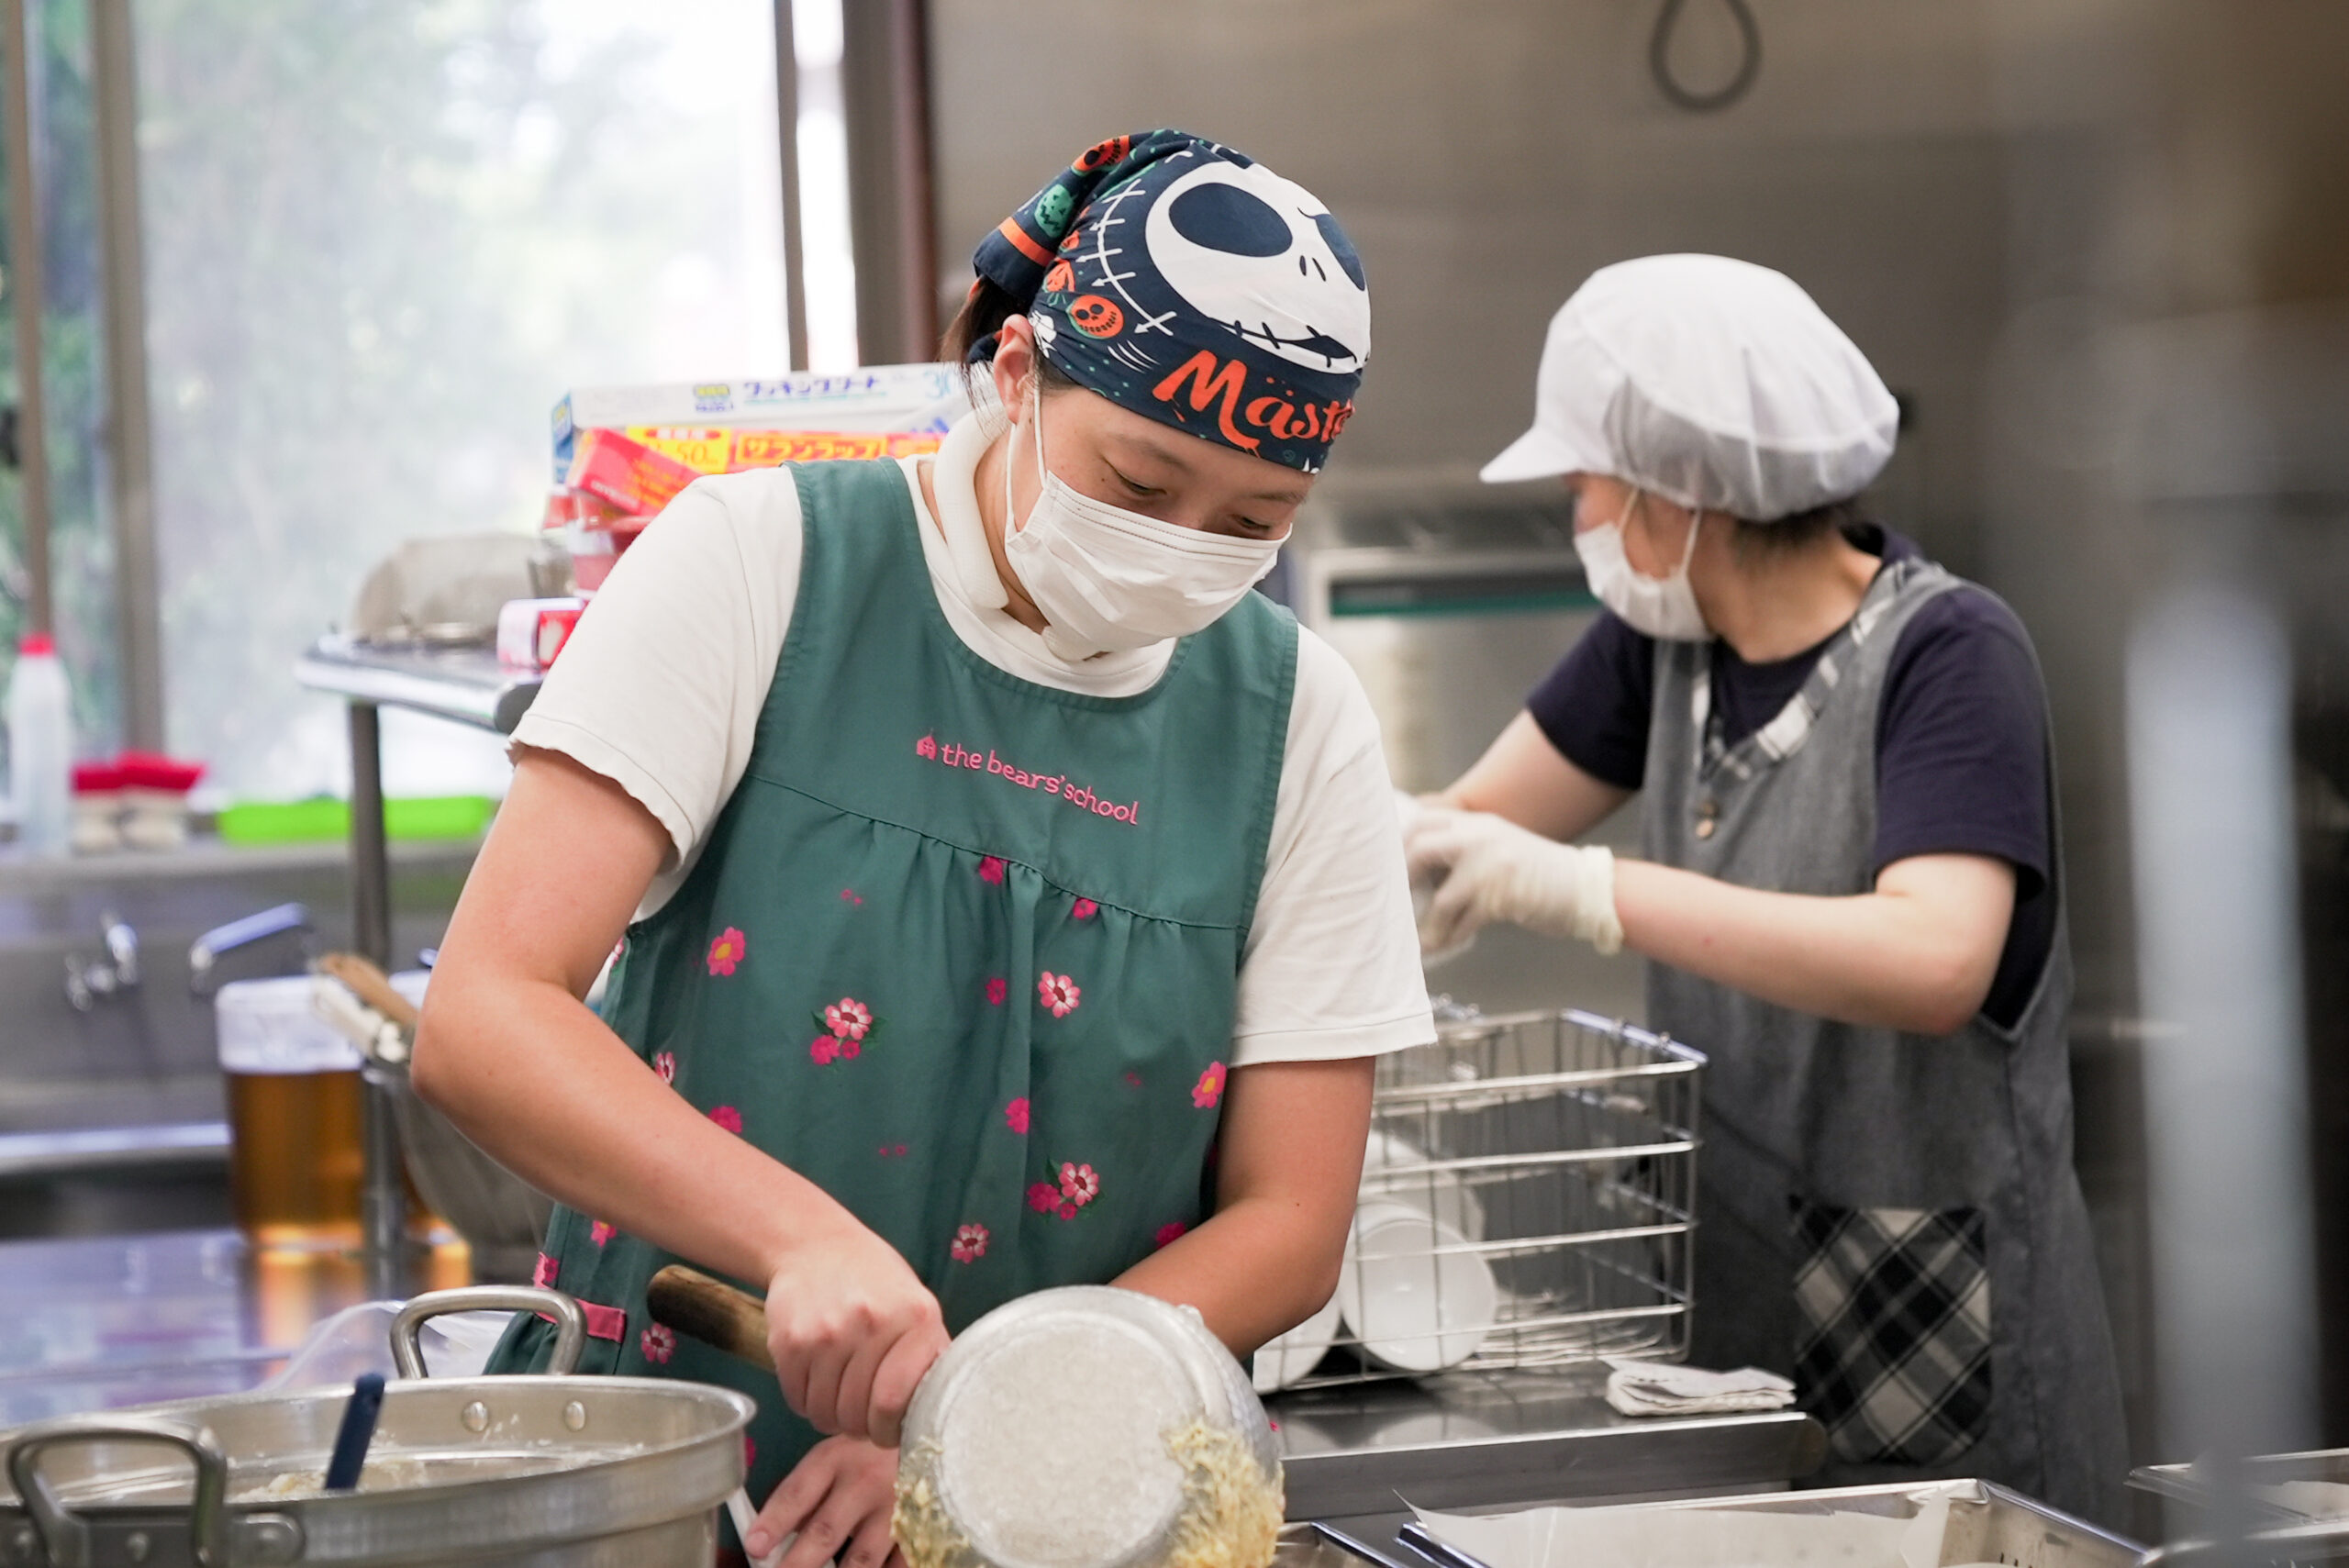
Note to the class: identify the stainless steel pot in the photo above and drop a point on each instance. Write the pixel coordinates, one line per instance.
(550, 1472)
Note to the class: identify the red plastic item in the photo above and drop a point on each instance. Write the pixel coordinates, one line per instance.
(97, 778)
(588, 572)
(530, 632)
(37, 642)
(153, 770)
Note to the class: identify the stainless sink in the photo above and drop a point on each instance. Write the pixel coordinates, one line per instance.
(111, 1117)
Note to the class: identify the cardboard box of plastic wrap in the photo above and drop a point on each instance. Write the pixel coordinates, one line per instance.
(920, 399)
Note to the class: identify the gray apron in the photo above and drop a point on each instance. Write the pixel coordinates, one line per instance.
(1891, 1220)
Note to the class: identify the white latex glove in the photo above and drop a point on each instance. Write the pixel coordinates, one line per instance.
(1491, 869)
(1408, 809)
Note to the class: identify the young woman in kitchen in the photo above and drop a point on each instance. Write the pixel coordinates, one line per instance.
(1850, 892)
(1005, 895)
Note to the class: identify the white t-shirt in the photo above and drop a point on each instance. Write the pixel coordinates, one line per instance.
(661, 687)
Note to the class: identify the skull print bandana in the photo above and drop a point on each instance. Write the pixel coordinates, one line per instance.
(1192, 284)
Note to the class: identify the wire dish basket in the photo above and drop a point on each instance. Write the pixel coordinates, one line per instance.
(1527, 1201)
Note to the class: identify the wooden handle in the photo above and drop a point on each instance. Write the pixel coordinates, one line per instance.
(368, 983)
(711, 1311)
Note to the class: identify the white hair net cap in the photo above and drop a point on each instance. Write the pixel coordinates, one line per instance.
(1715, 384)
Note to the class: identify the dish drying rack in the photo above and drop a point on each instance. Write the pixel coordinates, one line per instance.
(1558, 1150)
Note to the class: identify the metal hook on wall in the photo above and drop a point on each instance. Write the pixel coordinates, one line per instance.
(1749, 64)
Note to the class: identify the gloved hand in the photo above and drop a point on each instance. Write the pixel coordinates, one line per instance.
(1491, 869)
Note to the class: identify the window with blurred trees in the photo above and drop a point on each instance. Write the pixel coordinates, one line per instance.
(381, 239)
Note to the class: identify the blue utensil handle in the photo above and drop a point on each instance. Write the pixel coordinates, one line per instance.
(358, 1431)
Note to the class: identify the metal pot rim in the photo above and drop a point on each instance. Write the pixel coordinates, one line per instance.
(616, 1484)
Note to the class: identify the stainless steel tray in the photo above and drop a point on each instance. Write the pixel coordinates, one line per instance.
(1987, 1524)
(2190, 1485)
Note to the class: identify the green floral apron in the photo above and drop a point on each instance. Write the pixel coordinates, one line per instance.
(961, 949)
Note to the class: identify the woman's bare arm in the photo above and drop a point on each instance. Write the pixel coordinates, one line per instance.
(510, 1051)
(1917, 953)
(511, 1054)
(1289, 1159)
(1522, 777)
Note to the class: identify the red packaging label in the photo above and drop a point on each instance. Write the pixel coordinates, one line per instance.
(626, 473)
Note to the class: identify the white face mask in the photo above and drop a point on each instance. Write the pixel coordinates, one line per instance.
(1106, 578)
(1663, 607)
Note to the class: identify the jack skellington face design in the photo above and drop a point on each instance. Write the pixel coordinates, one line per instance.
(1261, 255)
(1174, 277)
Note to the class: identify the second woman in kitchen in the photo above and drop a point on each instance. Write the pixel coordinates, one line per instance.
(1007, 896)
(1851, 894)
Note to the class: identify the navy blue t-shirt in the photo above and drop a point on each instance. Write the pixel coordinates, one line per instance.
(1961, 741)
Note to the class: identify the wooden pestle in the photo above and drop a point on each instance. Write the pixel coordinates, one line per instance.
(712, 1311)
(370, 985)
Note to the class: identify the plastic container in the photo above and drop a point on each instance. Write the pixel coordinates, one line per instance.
(323, 819)
(1292, 1357)
(356, 1340)
(98, 808)
(154, 799)
(295, 1156)
(295, 1161)
(530, 632)
(41, 748)
(1413, 1290)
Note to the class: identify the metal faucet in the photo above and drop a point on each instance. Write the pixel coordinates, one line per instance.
(204, 953)
(86, 980)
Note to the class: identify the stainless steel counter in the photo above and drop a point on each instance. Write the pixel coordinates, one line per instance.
(107, 1321)
(96, 1323)
(465, 685)
(1477, 1441)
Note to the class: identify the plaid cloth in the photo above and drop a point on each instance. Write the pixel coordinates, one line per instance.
(1895, 1354)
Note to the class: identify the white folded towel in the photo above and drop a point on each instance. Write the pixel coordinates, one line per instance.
(1660, 1388)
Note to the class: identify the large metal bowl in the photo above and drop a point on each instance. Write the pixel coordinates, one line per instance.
(1041, 1433)
(501, 1216)
(547, 1471)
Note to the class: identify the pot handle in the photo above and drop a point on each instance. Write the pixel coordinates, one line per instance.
(64, 1538)
(570, 1322)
